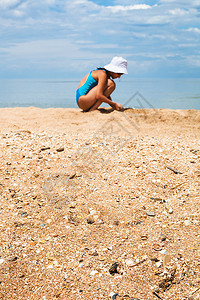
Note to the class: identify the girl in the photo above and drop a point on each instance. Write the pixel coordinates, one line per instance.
(97, 86)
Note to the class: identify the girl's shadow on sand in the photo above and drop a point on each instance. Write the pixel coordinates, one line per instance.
(103, 110)
(109, 110)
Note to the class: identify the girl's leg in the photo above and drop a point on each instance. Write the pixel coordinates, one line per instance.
(88, 102)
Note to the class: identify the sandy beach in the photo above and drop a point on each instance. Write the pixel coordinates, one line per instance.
(101, 205)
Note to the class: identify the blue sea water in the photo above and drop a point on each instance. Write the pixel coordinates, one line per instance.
(138, 93)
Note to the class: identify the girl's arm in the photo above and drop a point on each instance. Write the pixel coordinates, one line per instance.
(102, 84)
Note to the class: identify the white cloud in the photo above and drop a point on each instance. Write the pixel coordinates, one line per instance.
(60, 54)
(193, 60)
(82, 4)
(119, 8)
(50, 2)
(8, 3)
(193, 29)
(80, 33)
(188, 45)
(181, 2)
(178, 12)
(18, 13)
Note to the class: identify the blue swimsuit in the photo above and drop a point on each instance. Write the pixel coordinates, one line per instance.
(86, 87)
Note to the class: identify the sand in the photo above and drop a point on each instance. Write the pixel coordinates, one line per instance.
(80, 192)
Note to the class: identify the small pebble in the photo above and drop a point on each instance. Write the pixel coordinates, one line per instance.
(45, 148)
(187, 222)
(50, 266)
(130, 262)
(113, 295)
(155, 259)
(93, 212)
(94, 272)
(94, 253)
(24, 214)
(170, 211)
(166, 259)
(114, 268)
(12, 259)
(90, 220)
(163, 238)
(71, 176)
(163, 251)
(72, 205)
(60, 149)
(1, 260)
(150, 213)
(158, 264)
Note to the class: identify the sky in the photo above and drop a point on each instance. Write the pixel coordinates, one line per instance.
(67, 38)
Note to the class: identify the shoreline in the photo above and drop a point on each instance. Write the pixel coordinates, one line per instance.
(76, 108)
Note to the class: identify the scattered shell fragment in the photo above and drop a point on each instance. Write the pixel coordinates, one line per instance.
(187, 222)
(163, 251)
(157, 247)
(158, 264)
(130, 262)
(113, 295)
(169, 210)
(150, 213)
(94, 272)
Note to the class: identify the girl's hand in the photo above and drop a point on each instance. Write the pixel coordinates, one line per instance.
(118, 106)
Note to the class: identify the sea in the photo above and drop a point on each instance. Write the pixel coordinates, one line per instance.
(135, 93)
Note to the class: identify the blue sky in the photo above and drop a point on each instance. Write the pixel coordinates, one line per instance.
(65, 39)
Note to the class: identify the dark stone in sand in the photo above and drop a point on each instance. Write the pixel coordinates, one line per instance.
(60, 149)
(114, 268)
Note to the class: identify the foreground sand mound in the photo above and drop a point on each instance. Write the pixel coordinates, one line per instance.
(101, 205)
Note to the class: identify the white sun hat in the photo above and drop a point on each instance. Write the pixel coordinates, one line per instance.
(117, 65)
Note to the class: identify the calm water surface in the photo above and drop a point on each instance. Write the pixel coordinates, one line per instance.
(138, 93)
